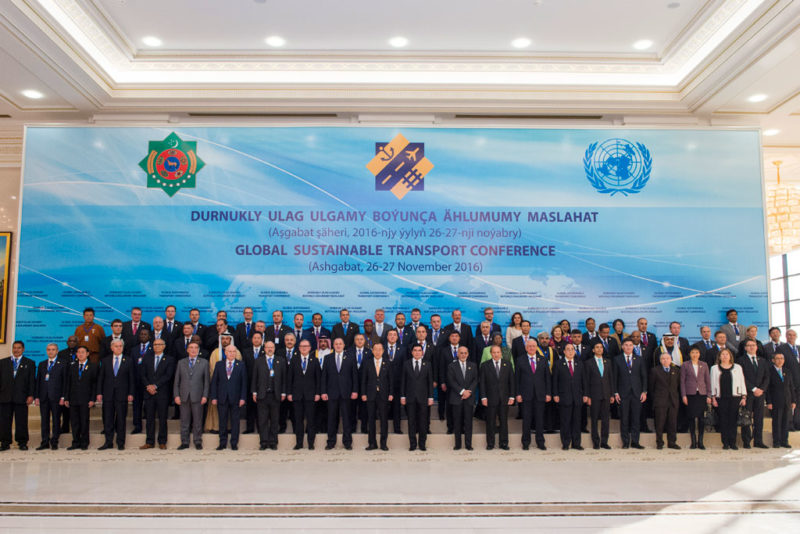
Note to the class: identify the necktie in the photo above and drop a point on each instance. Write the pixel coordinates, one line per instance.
(637, 350)
(158, 360)
(359, 358)
(435, 336)
(605, 344)
(571, 370)
(780, 373)
(338, 362)
(644, 338)
(247, 329)
(736, 329)
(169, 326)
(666, 369)
(599, 365)
(455, 353)
(230, 369)
(391, 353)
(416, 366)
(116, 365)
(316, 333)
(464, 370)
(485, 340)
(16, 365)
(400, 335)
(377, 368)
(344, 327)
(80, 369)
(186, 343)
(50, 365)
(533, 364)
(269, 362)
(497, 368)
(304, 364)
(135, 328)
(708, 344)
(297, 334)
(143, 349)
(755, 363)
(794, 349)
(191, 362)
(628, 361)
(775, 347)
(257, 350)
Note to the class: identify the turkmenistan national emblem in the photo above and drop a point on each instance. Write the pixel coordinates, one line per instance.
(399, 166)
(171, 164)
(617, 166)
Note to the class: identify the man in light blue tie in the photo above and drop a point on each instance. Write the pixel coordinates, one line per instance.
(781, 400)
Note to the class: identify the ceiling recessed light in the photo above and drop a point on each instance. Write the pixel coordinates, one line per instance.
(521, 42)
(275, 40)
(643, 44)
(151, 40)
(398, 41)
(771, 132)
(759, 97)
(32, 93)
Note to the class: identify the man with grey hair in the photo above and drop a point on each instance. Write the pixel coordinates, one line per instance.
(191, 389)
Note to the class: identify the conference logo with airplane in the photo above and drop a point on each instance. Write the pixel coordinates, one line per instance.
(399, 166)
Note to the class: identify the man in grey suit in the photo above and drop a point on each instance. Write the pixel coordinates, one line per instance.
(733, 331)
(192, 383)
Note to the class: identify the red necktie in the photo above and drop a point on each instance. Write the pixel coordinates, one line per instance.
(571, 371)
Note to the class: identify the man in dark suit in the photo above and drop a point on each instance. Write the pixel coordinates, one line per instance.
(756, 378)
(649, 342)
(774, 345)
(791, 353)
(171, 324)
(116, 333)
(181, 342)
(358, 408)
(303, 392)
(160, 332)
(228, 393)
(245, 330)
(462, 379)
(498, 389)
(590, 336)
(720, 342)
(69, 354)
(436, 335)
(346, 329)
(568, 394)
(781, 401)
(630, 392)
(396, 356)
(534, 389)
(488, 316)
(598, 393)
(277, 330)
(198, 328)
(115, 390)
(17, 389)
(610, 346)
(212, 334)
(136, 353)
(705, 344)
(288, 351)
(406, 335)
(313, 333)
(680, 341)
(416, 394)
(664, 386)
(79, 397)
(339, 388)
(250, 356)
(158, 370)
(447, 354)
(483, 339)
(380, 324)
(751, 333)
(464, 330)
(416, 320)
(49, 396)
(130, 329)
(518, 349)
(269, 389)
(376, 392)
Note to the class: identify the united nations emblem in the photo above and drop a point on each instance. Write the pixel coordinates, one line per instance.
(399, 166)
(617, 166)
(171, 164)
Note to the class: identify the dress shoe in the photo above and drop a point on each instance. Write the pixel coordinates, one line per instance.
(734, 448)
(146, 446)
(761, 446)
(371, 448)
(54, 446)
(422, 448)
(296, 447)
(43, 446)
(104, 446)
(775, 446)
(605, 446)
(625, 446)
(121, 447)
(162, 446)
(637, 446)
(725, 447)
(234, 447)
(674, 446)
(23, 447)
(311, 446)
(328, 447)
(701, 446)
(660, 446)
(468, 447)
(542, 447)
(84, 447)
(412, 448)
(693, 446)
(348, 447)
(198, 446)
(137, 431)
(745, 445)
(384, 448)
(786, 446)
(70, 448)
(249, 431)
(220, 447)
(565, 447)
(526, 447)
(457, 447)
(274, 446)
(183, 446)
(577, 447)
(450, 431)
(595, 447)
(398, 431)
(489, 447)
(264, 447)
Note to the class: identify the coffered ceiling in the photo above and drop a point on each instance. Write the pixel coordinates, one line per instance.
(531, 62)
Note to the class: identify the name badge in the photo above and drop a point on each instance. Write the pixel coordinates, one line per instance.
(86, 338)
(276, 340)
(47, 377)
(271, 372)
(140, 361)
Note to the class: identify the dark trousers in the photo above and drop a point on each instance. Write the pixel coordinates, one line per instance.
(379, 409)
(445, 410)
(600, 411)
(65, 417)
(358, 412)
(156, 407)
(780, 424)
(321, 416)
(794, 419)
(251, 409)
(138, 401)
(12, 412)
(570, 420)
(493, 413)
(728, 415)
(50, 414)
(396, 413)
(756, 433)
(284, 413)
(551, 419)
(339, 408)
(533, 415)
(462, 421)
(228, 411)
(304, 411)
(114, 415)
(417, 423)
(268, 414)
(79, 421)
(630, 413)
(666, 417)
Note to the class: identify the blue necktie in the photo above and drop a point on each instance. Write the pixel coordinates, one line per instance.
(80, 369)
(780, 374)
(158, 360)
(50, 365)
(600, 365)
(304, 365)
(16, 365)
(359, 357)
(116, 365)
(191, 363)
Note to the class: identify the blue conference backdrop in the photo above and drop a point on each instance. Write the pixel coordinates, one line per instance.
(555, 224)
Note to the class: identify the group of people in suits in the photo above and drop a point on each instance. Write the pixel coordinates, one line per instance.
(333, 380)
